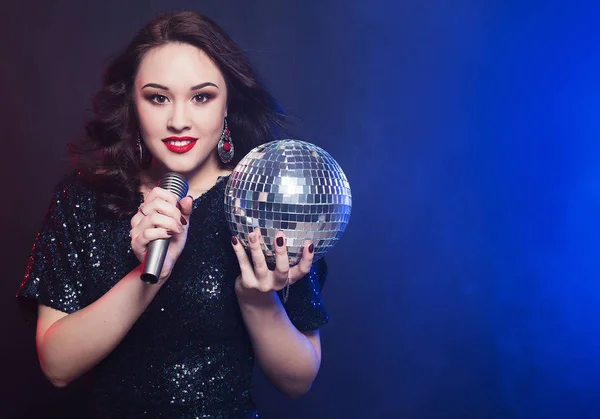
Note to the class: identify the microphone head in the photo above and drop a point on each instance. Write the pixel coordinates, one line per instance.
(175, 183)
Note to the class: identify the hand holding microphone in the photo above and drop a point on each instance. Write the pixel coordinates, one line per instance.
(159, 229)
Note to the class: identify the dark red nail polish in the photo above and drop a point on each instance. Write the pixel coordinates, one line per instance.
(234, 240)
(169, 232)
(279, 241)
(183, 220)
(311, 248)
(179, 206)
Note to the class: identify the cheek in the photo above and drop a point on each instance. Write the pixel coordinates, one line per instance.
(210, 120)
(148, 117)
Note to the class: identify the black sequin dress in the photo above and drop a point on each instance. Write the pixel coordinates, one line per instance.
(189, 354)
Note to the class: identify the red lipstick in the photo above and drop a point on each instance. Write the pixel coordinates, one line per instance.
(180, 145)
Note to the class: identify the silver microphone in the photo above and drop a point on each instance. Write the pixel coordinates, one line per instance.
(157, 249)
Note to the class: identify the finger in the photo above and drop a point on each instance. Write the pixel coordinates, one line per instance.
(135, 220)
(157, 204)
(186, 205)
(282, 261)
(156, 219)
(303, 267)
(242, 257)
(160, 193)
(149, 235)
(261, 270)
(161, 206)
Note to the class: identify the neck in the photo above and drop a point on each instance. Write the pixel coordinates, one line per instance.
(199, 180)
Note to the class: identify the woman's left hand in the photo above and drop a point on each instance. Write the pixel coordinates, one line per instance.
(256, 278)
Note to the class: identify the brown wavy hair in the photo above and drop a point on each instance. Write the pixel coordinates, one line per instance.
(108, 156)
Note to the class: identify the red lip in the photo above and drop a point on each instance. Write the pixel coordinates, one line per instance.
(180, 149)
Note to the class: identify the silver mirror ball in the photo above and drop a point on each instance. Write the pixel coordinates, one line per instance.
(291, 186)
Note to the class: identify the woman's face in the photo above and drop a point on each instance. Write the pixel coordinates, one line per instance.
(181, 101)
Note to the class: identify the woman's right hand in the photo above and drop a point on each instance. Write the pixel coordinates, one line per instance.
(161, 217)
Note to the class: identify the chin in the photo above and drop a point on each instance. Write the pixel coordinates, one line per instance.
(186, 166)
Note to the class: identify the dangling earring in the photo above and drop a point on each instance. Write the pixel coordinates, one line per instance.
(140, 149)
(225, 146)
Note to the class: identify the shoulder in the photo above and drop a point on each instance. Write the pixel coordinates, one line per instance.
(74, 180)
(73, 189)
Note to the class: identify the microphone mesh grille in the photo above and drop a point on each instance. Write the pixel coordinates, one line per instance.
(175, 183)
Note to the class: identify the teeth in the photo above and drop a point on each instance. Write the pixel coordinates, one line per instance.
(179, 143)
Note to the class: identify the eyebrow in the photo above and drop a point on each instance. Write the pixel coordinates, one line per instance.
(196, 87)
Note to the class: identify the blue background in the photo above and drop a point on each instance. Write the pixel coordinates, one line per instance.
(466, 283)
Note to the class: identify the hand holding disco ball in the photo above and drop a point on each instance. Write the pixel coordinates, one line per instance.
(291, 186)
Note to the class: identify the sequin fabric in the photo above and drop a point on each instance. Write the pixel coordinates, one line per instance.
(189, 354)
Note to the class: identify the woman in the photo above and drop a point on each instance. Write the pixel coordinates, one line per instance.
(180, 98)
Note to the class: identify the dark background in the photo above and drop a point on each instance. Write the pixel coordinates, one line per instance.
(466, 283)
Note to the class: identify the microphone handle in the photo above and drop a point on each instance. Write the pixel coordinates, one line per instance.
(155, 257)
(157, 249)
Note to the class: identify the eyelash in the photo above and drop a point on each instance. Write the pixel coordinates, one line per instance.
(153, 98)
(205, 97)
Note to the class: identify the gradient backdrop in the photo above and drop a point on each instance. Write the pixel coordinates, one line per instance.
(466, 283)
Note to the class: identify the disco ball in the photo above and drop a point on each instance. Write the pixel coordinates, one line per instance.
(291, 186)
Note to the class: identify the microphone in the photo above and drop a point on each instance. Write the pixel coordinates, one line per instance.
(157, 249)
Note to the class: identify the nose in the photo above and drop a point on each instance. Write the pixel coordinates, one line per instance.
(179, 119)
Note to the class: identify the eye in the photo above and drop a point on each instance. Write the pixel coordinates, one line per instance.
(202, 97)
(157, 98)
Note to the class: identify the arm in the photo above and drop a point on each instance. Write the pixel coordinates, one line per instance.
(289, 358)
(70, 345)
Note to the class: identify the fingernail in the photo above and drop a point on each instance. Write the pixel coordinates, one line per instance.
(279, 241)
(252, 237)
(311, 248)
(169, 232)
(191, 197)
(179, 206)
(234, 240)
(183, 220)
